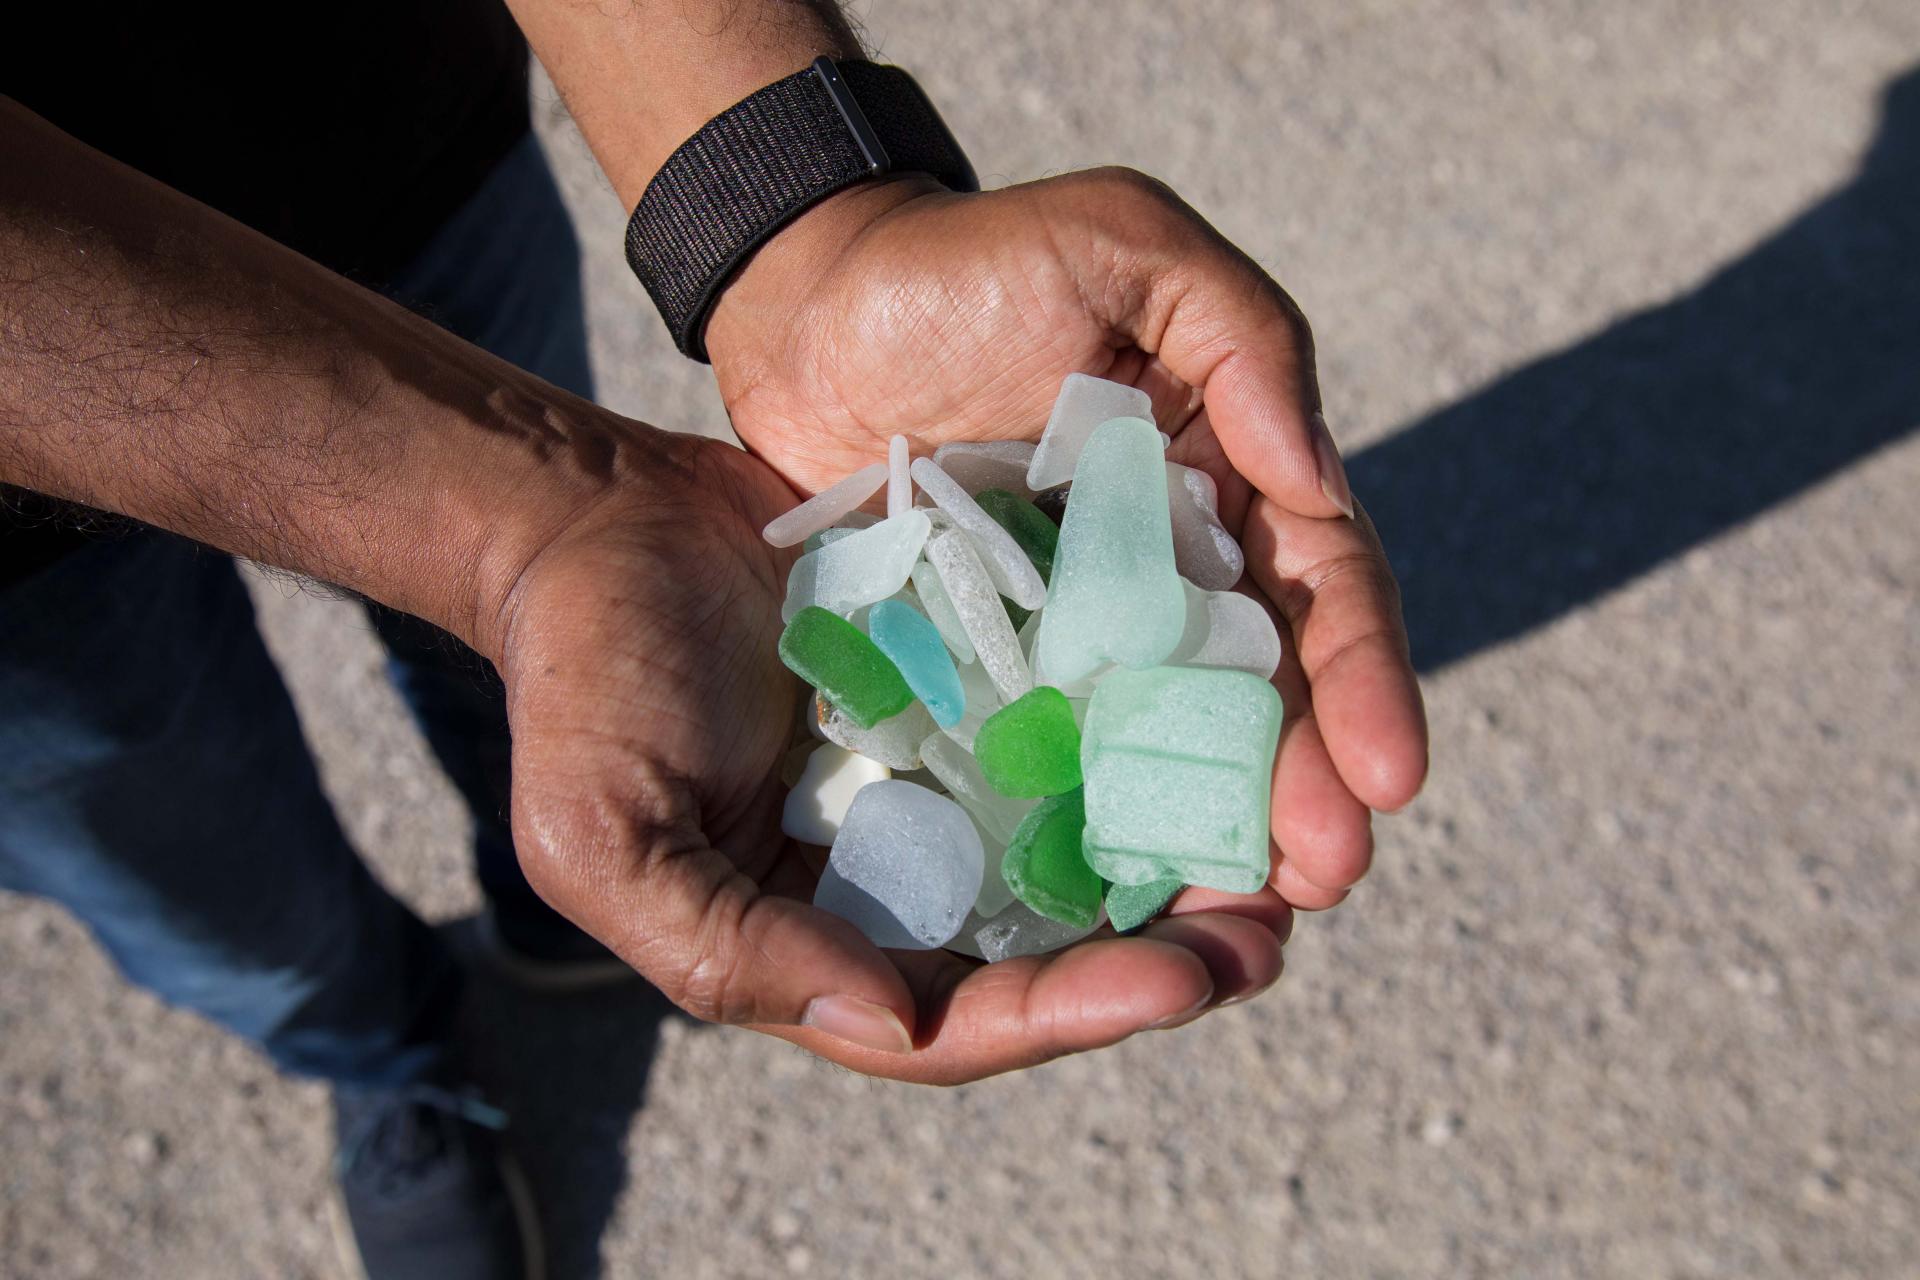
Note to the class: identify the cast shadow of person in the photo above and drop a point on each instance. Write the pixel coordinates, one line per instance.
(1584, 469)
(571, 1070)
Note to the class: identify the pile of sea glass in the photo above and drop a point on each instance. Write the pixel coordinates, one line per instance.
(1040, 706)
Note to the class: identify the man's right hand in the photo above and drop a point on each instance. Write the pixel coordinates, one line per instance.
(650, 710)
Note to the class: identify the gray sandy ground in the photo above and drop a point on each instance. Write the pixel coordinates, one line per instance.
(1621, 343)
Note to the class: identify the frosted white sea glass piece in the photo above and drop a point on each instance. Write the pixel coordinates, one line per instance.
(899, 480)
(906, 866)
(826, 787)
(1015, 930)
(1013, 574)
(988, 464)
(825, 509)
(977, 602)
(1203, 551)
(867, 566)
(1083, 404)
(999, 816)
(894, 742)
(933, 598)
(982, 701)
(1227, 629)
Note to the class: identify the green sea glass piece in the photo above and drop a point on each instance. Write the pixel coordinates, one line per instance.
(1031, 746)
(829, 653)
(1032, 532)
(1045, 867)
(1114, 596)
(1131, 905)
(1179, 776)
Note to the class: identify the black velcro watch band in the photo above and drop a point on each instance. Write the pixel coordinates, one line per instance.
(766, 160)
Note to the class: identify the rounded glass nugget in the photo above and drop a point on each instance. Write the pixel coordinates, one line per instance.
(1031, 746)
(905, 868)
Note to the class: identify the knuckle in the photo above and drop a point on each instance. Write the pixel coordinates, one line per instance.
(708, 975)
(1133, 184)
(1364, 571)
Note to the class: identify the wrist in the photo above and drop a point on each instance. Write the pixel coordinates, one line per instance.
(570, 463)
(691, 73)
(775, 284)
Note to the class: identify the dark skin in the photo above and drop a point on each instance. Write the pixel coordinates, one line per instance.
(160, 361)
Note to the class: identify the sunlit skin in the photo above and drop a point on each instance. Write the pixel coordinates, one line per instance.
(614, 575)
(955, 317)
(897, 306)
(915, 321)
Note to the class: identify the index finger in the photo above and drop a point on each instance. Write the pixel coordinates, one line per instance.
(1219, 322)
(1330, 580)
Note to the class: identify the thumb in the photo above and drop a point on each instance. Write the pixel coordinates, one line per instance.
(1182, 292)
(710, 939)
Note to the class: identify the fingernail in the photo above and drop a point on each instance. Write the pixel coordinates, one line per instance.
(858, 1022)
(1183, 1017)
(1333, 474)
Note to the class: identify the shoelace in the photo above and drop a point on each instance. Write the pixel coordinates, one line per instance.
(409, 1136)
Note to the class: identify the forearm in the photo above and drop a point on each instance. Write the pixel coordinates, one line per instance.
(166, 363)
(641, 76)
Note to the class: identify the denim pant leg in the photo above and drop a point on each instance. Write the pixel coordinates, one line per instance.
(154, 780)
(503, 273)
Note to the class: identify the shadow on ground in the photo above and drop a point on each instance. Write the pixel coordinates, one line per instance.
(1583, 470)
(571, 1070)
(1546, 489)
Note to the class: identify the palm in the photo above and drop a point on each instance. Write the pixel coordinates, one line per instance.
(955, 318)
(650, 710)
(644, 665)
(920, 353)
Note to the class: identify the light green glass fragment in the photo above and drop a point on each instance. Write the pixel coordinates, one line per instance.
(1179, 775)
(1114, 596)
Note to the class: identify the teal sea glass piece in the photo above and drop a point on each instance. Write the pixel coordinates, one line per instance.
(906, 636)
(1131, 905)
(1179, 776)
(1044, 865)
(1032, 532)
(1031, 746)
(1114, 596)
(829, 653)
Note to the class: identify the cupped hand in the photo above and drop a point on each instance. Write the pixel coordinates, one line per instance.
(650, 711)
(904, 308)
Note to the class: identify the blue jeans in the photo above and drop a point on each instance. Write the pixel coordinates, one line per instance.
(153, 778)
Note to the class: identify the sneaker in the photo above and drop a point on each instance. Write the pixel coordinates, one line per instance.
(424, 1191)
(542, 956)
